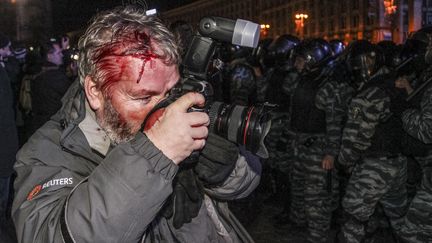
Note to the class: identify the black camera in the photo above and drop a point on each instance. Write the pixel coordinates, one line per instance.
(246, 126)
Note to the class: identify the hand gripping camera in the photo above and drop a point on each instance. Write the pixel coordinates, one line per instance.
(245, 126)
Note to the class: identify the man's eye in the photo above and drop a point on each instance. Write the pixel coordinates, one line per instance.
(144, 100)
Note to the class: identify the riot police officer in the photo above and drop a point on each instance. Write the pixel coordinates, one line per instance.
(370, 149)
(416, 226)
(316, 124)
(278, 83)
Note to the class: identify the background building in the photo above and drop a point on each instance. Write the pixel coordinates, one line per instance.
(34, 19)
(348, 20)
(8, 18)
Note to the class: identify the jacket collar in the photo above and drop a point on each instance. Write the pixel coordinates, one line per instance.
(81, 134)
(95, 135)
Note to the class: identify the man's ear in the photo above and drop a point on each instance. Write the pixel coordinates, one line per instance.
(93, 94)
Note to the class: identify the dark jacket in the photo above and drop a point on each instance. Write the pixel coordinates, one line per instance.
(47, 89)
(8, 130)
(67, 190)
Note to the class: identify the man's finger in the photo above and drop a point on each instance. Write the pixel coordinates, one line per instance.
(188, 100)
(199, 132)
(198, 119)
(199, 144)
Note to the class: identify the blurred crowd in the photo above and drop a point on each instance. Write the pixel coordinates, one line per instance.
(33, 81)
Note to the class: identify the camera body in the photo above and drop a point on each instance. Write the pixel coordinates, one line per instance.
(245, 126)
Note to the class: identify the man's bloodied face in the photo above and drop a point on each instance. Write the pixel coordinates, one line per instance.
(127, 102)
(133, 84)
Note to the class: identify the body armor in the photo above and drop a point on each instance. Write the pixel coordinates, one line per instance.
(413, 146)
(305, 116)
(275, 93)
(388, 134)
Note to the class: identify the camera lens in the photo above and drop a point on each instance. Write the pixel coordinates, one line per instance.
(247, 126)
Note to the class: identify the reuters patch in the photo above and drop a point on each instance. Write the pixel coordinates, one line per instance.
(34, 192)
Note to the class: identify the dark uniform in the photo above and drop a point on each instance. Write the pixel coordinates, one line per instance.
(318, 107)
(280, 84)
(371, 145)
(277, 87)
(418, 123)
(8, 149)
(416, 226)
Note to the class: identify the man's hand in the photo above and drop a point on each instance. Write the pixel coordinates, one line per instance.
(64, 43)
(328, 162)
(257, 72)
(177, 132)
(403, 83)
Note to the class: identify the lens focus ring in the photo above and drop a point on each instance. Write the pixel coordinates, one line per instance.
(213, 114)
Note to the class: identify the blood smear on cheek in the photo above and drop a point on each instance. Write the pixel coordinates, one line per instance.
(153, 118)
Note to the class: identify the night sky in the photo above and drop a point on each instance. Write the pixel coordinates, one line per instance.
(71, 15)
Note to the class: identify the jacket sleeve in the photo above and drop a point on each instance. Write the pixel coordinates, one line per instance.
(418, 123)
(331, 99)
(364, 114)
(114, 202)
(243, 180)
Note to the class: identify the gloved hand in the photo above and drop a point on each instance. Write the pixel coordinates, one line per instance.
(186, 199)
(216, 161)
(399, 105)
(397, 111)
(343, 169)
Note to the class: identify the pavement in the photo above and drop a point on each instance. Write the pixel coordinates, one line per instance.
(257, 214)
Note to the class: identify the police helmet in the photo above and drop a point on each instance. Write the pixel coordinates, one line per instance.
(280, 49)
(229, 52)
(425, 36)
(337, 46)
(316, 52)
(391, 53)
(363, 60)
(416, 43)
(258, 56)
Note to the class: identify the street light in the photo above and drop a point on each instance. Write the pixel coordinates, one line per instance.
(390, 7)
(264, 29)
(300, 23)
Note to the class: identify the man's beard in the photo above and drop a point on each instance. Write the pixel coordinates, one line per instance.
(117, 129)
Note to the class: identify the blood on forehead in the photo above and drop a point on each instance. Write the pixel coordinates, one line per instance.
(111, 59)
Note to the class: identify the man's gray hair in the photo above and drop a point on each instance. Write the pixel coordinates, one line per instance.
(111, 26)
